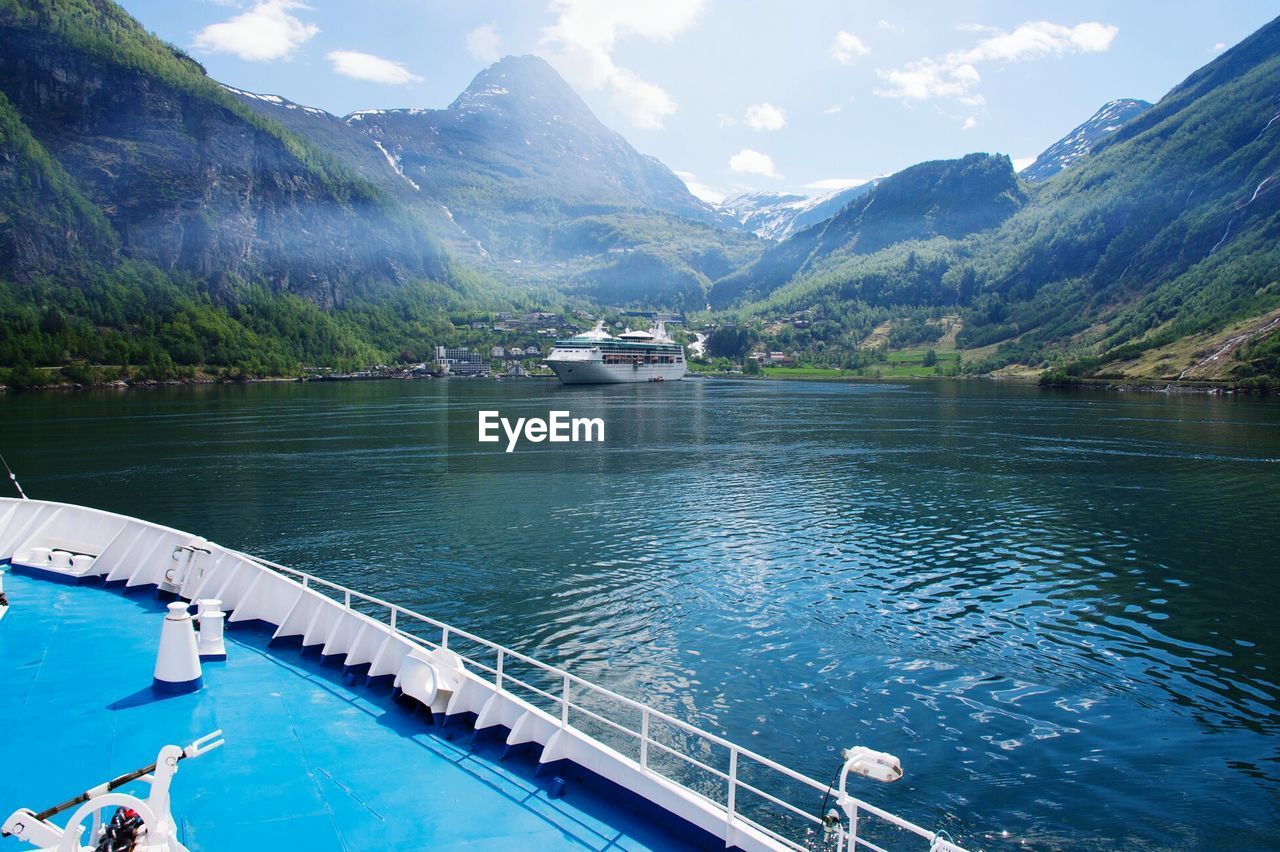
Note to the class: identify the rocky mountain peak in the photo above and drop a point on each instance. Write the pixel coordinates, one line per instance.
(1080, 141)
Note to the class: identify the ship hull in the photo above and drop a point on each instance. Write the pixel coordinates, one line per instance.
(577, 372)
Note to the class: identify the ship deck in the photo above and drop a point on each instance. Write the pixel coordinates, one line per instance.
(313, 760)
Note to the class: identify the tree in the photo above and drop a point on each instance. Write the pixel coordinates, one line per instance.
(728, 342)
(930, 359)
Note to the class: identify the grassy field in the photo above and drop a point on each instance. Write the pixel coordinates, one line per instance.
(902, 364)
(807, 372)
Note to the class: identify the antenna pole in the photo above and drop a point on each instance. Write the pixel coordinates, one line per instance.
(13, 477)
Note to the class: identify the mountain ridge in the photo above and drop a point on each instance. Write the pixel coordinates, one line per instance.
(1109, 118)
(948, 198)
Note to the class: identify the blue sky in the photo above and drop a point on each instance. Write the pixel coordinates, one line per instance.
(735, 94)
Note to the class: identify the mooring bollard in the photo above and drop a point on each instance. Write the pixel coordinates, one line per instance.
(212, 620)
(178, 660)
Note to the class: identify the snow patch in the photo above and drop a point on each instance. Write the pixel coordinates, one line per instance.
(275, 100)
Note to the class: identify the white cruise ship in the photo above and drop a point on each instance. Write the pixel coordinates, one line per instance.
(596, 357)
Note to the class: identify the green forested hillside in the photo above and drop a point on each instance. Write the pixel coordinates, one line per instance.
(150, 220)
(1170, 229)
(948, 198)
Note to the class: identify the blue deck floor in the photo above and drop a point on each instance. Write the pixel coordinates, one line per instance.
(312, 761)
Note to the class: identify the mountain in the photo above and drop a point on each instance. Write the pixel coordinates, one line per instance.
(520, 132)
(185, 178)
(526, 170)
(778, 215)
(948, 198)
(362, 155)
(1080, 141)
(150, 221)
(518, 177)
(160, 223)
(1156, 255)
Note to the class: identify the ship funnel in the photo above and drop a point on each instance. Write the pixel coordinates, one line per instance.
(178, 661)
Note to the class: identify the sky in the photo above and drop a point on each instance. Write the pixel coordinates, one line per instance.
(804, 96)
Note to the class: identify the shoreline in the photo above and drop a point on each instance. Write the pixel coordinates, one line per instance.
(1164, 386)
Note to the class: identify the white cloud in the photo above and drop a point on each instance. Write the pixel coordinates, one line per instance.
(889, 27)
(265, 32)
(847, 47)
(1020, 163)
(955, 75)
(928, 78)
(970, 122)
(765, 117)
(646, 103)
(484, 44)
(1219, 47)
(749, 162)
(833, 109)
(832, 184)
(709, 194)
(374, 69)
(1037, 39)
(581, 44)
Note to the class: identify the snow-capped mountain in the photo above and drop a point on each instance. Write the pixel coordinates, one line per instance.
(519, 139)
(1079, 142)
(778, 215)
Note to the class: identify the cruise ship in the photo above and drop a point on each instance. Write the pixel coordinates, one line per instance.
(598, 358)
(166, 693)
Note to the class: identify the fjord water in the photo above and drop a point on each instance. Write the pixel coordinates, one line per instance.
(1058, 609)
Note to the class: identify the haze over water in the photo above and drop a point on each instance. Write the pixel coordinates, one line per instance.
(1058, 609)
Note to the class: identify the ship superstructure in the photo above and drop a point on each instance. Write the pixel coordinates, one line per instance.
(598, 357)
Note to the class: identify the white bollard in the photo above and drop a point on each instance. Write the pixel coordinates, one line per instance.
(178, 661)
(40, 555)
(60, 560)
(80, 563)
(212, 621)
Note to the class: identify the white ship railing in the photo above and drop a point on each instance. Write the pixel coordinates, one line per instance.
(570, 685)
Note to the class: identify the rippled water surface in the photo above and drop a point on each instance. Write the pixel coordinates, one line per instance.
(1059, 610)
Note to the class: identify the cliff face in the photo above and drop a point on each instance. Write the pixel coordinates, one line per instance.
(194, 185)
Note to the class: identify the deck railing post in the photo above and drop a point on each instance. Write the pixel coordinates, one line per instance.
(733, 795)
(444, 638)
(346, 598)
(498, 678)
(394, 611)
(644, 738)
(564, 704)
